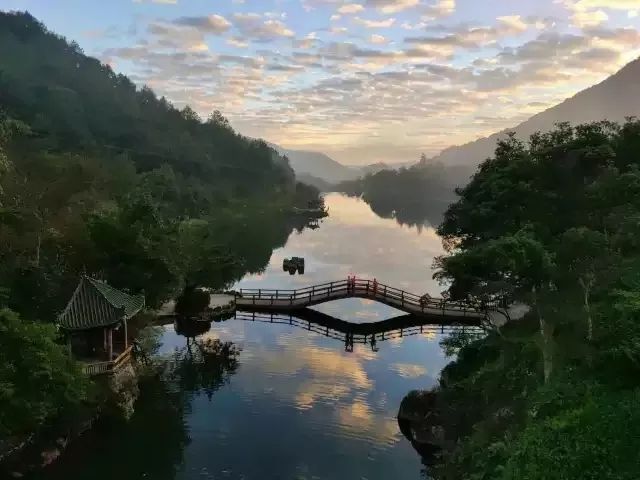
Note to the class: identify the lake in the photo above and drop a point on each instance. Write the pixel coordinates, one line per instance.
(296, 404)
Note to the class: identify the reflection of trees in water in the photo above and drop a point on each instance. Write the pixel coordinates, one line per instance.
(218, 253)
(251, 242)
(203, 365)
(412, 215)
(149, 445)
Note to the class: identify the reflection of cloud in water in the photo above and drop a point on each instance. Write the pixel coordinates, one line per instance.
(408, 370)
(358, 421)
(303, 386)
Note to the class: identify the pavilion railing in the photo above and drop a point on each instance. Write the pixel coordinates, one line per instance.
(102, 368)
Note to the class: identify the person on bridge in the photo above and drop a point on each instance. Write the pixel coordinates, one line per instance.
(375, 287)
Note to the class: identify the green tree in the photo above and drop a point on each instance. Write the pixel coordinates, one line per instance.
(38, 380)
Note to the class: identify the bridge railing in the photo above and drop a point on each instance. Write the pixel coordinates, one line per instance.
(369, 288)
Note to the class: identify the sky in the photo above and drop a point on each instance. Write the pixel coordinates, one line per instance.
(361, 80)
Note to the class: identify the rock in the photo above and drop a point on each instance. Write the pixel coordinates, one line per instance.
(49, 456)
(419, 422)
(16, 475)
(417, 405)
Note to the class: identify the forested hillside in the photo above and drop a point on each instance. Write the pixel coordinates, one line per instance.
(106, 178)
(553, 223)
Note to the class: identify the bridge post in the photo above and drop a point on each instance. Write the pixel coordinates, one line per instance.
(259, 293)
(402, 297)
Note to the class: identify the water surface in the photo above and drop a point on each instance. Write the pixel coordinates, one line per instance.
(297, 405)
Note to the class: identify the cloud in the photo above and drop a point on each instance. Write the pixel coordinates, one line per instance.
(464, 36)
(256, 27)
(375, 23)
(420, 85)
(172, 36)
(611, 4)
(237, 42)
(392, 6)
(590, 13)
(589, 18)
(514, 23)
(350, 8)
(377, 39)
(215, 24)
(441, 8)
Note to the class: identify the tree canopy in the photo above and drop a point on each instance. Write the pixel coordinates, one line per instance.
(552, 222)
(100, 177)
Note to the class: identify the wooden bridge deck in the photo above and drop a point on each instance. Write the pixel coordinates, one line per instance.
(439, 310)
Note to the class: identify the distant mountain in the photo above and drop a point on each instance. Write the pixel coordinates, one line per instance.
(376, 167)
(319, 183)
(613, 99)
(318, 165)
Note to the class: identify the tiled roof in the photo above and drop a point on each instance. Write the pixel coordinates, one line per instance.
(97, 304)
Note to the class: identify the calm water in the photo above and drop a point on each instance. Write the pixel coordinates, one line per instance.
(296, 405)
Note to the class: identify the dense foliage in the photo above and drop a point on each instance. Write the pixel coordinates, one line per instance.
(38, 380)
(98, 176)
(552, 223)
(414, 196)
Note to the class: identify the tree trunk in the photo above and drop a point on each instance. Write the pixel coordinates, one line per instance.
(546, 335)
(38, 243)
(586, 290)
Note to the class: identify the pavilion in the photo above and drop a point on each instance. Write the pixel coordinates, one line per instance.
(97, 310)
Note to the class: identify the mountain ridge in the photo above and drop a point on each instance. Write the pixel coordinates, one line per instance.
(585, 106)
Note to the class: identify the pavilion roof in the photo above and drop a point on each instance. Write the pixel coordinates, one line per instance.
(97, 304)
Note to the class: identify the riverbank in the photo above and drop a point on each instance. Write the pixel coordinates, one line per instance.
(116, 392)
(492, 415)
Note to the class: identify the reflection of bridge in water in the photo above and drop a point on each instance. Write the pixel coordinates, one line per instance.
(356, 333)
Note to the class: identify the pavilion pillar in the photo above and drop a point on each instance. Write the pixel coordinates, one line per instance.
(104, 339)
(110, 346)
(126, 335)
